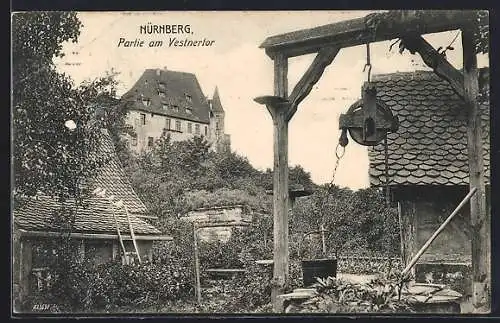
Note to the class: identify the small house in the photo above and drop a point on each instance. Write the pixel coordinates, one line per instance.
(94, 231)
(428, 171)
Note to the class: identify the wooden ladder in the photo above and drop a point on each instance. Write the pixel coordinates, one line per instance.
(127, 254)
(134, 241)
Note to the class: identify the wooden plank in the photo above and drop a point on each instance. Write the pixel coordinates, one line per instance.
(280, 182)
(223, 224)
(304, 86)
(437, 62)
(197, 288)
(393, 24)
(26, 266)
(480, 219)
(401, 236)
(222, 270)
(409, 224)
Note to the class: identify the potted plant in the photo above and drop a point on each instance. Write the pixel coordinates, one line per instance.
(325, 214)
(320, 265)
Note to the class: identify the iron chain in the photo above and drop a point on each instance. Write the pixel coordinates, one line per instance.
(338, 158)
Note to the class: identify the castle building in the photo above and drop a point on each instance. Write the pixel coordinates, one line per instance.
(171, 102)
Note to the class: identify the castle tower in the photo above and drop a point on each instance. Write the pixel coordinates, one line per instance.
(222, 141)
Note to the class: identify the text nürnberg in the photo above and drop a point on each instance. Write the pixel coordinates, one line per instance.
(155, 29)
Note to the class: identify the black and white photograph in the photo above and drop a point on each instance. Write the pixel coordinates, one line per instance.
(250, 162)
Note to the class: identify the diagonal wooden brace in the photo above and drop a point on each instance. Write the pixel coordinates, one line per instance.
(436, 61)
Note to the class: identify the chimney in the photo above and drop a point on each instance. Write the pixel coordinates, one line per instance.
(158, 72)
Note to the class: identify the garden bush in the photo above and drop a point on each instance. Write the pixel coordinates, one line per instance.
(371, 265)
(86, 287)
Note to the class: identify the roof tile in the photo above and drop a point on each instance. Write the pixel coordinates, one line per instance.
(431, 144)
(97, 215)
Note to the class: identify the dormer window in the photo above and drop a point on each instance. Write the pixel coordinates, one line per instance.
(189, 110)
(164, 106)
(161, 94)
(188, 97)
(162, 86)
(146, 102)
(175, 108)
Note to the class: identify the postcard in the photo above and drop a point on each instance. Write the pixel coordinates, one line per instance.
(244, 162)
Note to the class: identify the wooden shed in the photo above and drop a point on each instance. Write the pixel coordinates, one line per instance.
(94, 232)
(428, 169)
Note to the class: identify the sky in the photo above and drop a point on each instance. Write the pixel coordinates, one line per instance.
(242, 71)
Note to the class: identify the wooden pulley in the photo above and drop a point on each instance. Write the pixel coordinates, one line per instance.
(368, 120)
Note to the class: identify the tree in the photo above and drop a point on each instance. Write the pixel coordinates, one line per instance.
(354, 220)
(56, 127)
(55, 131)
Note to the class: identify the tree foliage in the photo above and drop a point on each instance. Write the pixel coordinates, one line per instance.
(49, 157)
(353, 221)
(175, 177)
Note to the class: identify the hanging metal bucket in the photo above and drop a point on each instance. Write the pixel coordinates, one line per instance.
(320, 268)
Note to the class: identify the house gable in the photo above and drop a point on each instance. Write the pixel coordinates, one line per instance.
(170, 93)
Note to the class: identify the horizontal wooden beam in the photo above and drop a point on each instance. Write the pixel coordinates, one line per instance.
(201, 225)
(105, 236)
(304, 86)
(437, 62)
(372, 28)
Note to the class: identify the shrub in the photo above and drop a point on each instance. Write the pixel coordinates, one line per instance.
(140, 284)
(370, 265)
(86, 287)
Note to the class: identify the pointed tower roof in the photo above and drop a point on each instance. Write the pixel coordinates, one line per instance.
(216, 104)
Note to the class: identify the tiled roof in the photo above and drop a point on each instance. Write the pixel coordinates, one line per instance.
(180, 89)
(216, 104)
(112, 177)
(430, 146)
(97, 215)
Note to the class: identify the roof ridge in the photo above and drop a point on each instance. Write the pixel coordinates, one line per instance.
(168, 70)
(416, 74)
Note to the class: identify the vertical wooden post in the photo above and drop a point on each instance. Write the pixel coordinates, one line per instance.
(401, 235)
(196, 264)
(323, 243)
(409, 229)
(480, 219)
(26, 266)
(280, 182)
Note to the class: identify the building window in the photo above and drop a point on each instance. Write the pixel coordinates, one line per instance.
(161, 85)
(188, 97)
(197, 129)
(206, 131)
(189, 110)
(167, 124)
(175, 108)
(165, 106)
(161, 94)
(150, 141)
(146, 102)
(177, 125)
(134, 141)
(217, 125)
(143, 118)
(190, 127)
